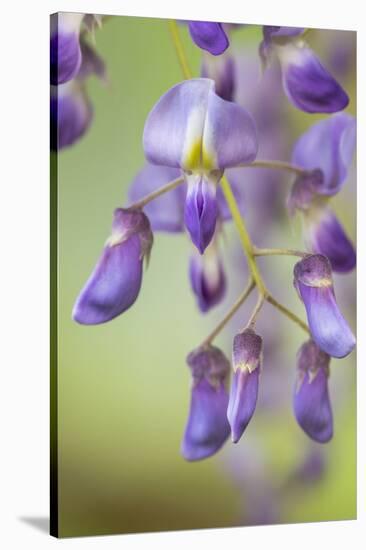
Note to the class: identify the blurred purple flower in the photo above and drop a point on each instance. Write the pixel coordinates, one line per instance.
(222, 71)
(207, 427)
(209, 36)
(207, 277)
(116, 280)
(311, 397)
(329, 329)
(65, 49)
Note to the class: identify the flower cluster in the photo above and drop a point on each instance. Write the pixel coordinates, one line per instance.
(197, 138)
(73, 60)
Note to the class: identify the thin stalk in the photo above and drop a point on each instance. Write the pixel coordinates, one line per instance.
(279, 252)
(230, 313)
(160, 191)
(288, 313)
(174, 33)
(255, 312)
(243, 233)
(275, 165)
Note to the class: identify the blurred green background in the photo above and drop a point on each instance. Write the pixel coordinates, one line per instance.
(123, 386)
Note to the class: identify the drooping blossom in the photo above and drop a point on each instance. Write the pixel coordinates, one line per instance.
(329, 329)
(326, 151)
(247, 357)
(207, 427)
(193, 129)
(116, 280)
(311, 402)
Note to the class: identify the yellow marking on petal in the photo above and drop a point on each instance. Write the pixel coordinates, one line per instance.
(197, 158)
(250, 367)
(115, 239)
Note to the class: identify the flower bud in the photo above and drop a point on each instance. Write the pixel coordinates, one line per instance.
(207, 427)
(329, 329)
(116, 280)
(207, 278)
(209, 36)
(247, 358)
(311, 402)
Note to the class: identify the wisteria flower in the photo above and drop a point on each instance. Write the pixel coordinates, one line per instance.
(329, 329)
(326, 151)
(116, 280)
(65, 46)
(209, 36)
(207, 427)
(247, 357)
(311, 402)
(193, 129)
(207, 277)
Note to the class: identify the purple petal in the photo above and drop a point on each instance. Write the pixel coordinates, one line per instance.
(270, 32)
(307, 84)
(113, 286)
(312, 406)
(222, 71)
(209, 36)
(192, 128)
(327, 325)
(242, 401)
(200, 211)
(325, 235)
(207, 428)
(328, 145)
(207, 278)
(166, 213)
(65, 53)
(71, 114)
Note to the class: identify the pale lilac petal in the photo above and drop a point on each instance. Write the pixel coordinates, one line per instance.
(209, 36)
(166, 213)
(242, 401)
(328, 145)
(307, 83)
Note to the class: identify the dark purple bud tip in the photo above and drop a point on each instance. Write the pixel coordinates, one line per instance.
(200, 210)
(209, 36)
(207, 427)
(325, 235)
(207, 278)
(247, 353)
(311, 403)
(116, 280)
(307, 84)
(222, 71)
(329, 329)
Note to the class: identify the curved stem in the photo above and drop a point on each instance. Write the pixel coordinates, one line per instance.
(252, 319)
(230, 313)
(275, 165)
(243, 233)
(278, 252)
(174, 33)
(160, 191)
(288, 313)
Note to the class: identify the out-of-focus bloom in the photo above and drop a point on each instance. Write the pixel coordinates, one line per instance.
(307, 83)
(312, 406)
(207, 277)
(209, 36)
(207, 427)
(71, 109)
(247, 357)
(222, 71)
(329, 329)
(65, 48)
(192, 128)
(326, 150)
(116, 280)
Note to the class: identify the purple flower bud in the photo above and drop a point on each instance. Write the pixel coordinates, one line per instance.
(200, 210)
(307, 84)
(207, 278)
(329, 329)
(116, 280)
(65, 50)
(311, 403)
(222, 71)
(209, 36)
(247, 358)
(207, 427)
(325, 235)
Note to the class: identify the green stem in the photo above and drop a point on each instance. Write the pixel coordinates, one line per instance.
(243, 233)
(278, 252)
(174, 33)
(230, 313)
(252, 319)
(275, 165)
(160, 191)
(288, 313)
